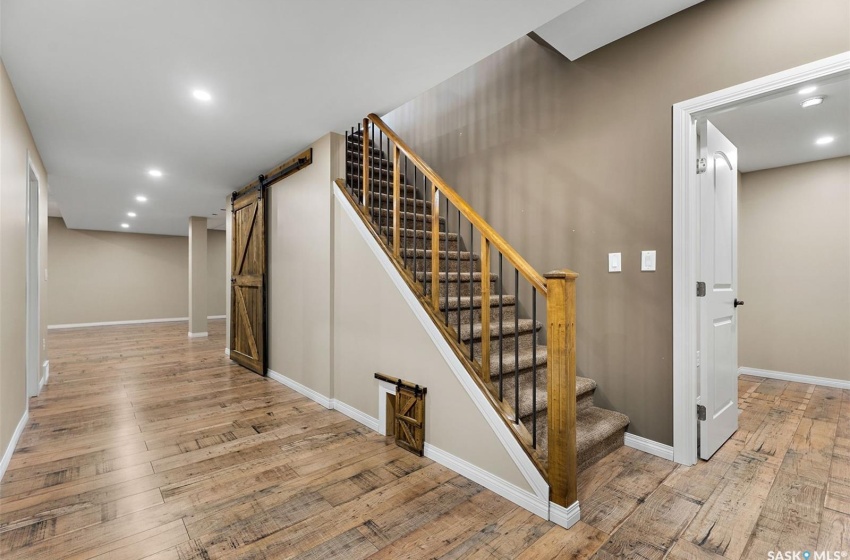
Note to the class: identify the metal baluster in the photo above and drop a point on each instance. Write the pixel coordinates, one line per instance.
(501, 339)
(425, 197)
(516, 345)
(446, 263)
(380, 179)
(415, 245)
(348, 160)
(472, 294)
(457, 273)
(534, 369)
(405, 217)
(359, 182)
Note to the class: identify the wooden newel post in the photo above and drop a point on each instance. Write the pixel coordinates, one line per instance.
(561, 369)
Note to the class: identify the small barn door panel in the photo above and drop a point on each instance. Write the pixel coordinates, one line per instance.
(247, 281)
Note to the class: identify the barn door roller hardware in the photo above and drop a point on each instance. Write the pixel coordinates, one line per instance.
(282, 171)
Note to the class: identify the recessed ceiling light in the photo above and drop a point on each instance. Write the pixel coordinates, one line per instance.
(807, 89)
(141, 198)
(155, 173)
(811, 102)
(824, 140)
(125, 226)
(201, 95)
(131, 214)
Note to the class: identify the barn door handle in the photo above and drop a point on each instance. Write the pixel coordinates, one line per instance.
(738, 302)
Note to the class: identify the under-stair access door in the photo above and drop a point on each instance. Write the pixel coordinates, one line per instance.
(718, 202)
(248, 280)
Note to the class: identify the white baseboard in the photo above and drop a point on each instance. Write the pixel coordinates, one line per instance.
(368, 421)
(564, 516)
(507, 490)
(316, 396)
(45, 367)
(649, 446)
(198, 334)
(227, 351)
(129, 322)
(795, 377)
(10, 449)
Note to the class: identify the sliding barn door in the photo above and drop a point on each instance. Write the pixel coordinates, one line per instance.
(248, 277)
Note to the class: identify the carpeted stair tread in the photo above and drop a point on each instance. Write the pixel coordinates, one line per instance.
(524, 326)
(463, 302)
(452, 255)
(404, 189)
(526, 360)
(418, 233)
(597, 429)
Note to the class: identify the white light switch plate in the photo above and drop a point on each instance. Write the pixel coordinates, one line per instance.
(614, 262)
(647, 261)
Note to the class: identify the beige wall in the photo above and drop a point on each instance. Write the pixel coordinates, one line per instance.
(375, 330)
(299, 273)
(794, 262)
(573, 160)
(100, 276)
(15, 143)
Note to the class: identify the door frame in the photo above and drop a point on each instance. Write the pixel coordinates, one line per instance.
(686, 234)
(33, 277)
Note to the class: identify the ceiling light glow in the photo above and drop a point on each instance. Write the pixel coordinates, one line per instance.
(141, 198)
(202, 95)
(807, 89)
(155, 173)
(823, 140)
(811, 102)
(125, 226)
(131, 214)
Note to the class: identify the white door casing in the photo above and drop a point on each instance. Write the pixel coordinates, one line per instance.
(686, 232)
(718, 263)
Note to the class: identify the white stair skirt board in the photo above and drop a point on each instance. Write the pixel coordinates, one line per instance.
(522, 498)
(515, 451)
(316, 396)
(795, 377)
(7, 453)
(649, 446)
(227, 351)
(129, 322)
(198, 334)
(566, 517)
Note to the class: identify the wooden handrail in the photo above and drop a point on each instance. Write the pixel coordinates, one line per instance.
(527, 271)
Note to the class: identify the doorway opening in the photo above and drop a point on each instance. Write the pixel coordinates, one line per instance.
(33, 321)
(705, 365)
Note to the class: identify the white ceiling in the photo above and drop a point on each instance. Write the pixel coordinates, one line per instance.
(776, 131)
(106, 87)
(593, 24)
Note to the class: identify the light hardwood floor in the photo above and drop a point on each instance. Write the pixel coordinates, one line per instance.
(146, 444)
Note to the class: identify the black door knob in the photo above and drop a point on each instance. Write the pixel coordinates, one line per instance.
(738, 302)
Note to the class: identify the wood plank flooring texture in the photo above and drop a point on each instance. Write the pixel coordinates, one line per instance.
(148, 444)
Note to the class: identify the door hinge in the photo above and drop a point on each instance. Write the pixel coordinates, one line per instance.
(700, 412)
(700, 289)
(702, 165)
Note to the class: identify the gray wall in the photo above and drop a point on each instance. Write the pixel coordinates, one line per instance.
(100, 276)
(794, 262)
(572, 160)
(15, 142)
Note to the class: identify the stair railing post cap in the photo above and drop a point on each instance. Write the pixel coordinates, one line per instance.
(564, 273)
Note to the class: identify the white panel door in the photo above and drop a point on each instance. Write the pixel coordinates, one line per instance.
(719, 270)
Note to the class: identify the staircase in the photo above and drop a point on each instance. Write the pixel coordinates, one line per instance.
(480, 318)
